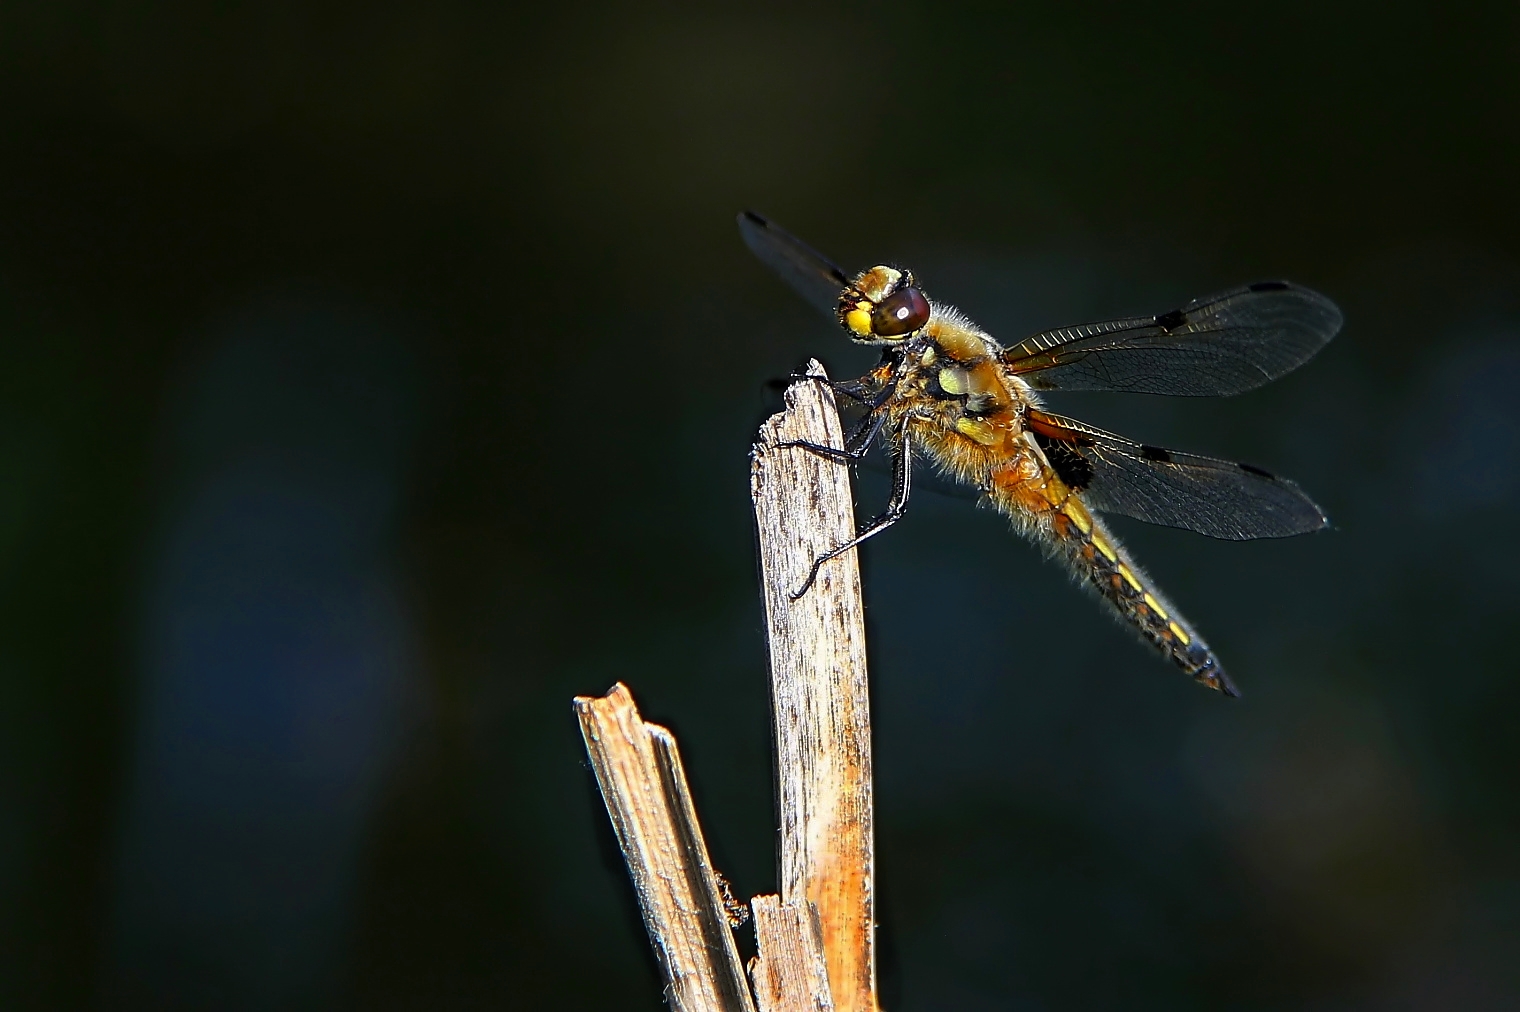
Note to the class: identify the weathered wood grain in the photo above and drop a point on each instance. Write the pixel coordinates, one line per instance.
(820, 704)
(790, 973)
(638, 768)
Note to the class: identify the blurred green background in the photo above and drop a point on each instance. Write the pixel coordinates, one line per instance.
(374, 378)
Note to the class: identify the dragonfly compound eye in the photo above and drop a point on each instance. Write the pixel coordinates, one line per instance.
(902, 312)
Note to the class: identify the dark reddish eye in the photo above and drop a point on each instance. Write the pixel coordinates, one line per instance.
(902, 312)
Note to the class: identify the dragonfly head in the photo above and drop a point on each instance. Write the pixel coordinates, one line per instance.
(883, 305)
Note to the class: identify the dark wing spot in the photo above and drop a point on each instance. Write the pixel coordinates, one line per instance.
(1155, 453)
(1252, 469)
(1172, 320)
(1070, 466)
(1270, 286)
(760, 221)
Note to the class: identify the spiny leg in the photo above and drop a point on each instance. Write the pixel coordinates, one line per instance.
(858, 392)
(855, 390)
(856, 444)
(902, 486)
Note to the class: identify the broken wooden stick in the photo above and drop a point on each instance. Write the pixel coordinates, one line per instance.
(638, 769)
(816, 939)
(820, 704)
(790, 974)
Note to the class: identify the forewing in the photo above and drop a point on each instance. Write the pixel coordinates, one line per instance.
(812, 274)
(1219, 498)
(1223, 344)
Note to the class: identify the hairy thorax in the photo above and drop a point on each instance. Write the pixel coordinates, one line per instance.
(966, 413)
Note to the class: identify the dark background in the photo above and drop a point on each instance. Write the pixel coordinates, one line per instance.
(374, 378)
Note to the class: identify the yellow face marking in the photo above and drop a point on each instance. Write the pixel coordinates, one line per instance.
(859, 319)
(953, 381)
(1177, 632)
(977, 429)
(1156, 607)
(1129, 577)
(1102, 545)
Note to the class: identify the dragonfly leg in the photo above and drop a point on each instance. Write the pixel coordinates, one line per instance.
(857, 391)
(902, 486)
(856, 443)
(854, 390)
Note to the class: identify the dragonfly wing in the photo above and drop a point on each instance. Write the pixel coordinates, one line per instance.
(816, 278)
(1223, 344)
(1219, 498)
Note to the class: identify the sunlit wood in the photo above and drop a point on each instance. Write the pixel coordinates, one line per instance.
(644, 785)
(790, 973)
(821, 713)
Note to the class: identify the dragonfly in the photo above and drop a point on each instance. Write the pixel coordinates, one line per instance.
(946, 392)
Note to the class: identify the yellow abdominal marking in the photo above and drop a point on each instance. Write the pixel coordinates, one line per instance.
(1078, 515)
(1130, 578)
(1155, 607)
(982, 432)
(1102, 545)
(1177, 632)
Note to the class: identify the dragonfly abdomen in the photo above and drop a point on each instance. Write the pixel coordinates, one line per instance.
(1098, 559)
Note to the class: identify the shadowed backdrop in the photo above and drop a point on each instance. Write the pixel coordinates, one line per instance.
(374, 379)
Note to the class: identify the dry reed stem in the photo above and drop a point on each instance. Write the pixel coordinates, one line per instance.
(790, 974)
(638, 768)
(820, 704)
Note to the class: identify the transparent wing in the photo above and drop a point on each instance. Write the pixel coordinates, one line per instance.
(812, 274)
(1219, 498)
(1224, 344)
